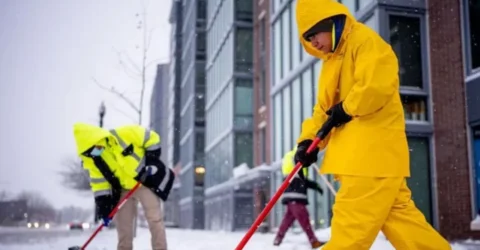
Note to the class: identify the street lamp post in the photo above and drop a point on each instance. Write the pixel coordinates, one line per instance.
(101, 113)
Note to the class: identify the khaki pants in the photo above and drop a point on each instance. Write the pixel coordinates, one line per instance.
(125, 218)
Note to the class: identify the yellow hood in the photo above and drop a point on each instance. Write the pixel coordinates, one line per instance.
(310, 12)
(87, 135)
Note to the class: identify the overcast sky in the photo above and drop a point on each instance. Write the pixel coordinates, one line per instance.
(49, 51)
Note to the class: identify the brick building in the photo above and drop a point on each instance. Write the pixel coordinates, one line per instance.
(261, 110)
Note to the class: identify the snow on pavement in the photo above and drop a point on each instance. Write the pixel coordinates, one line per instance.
(179, 239)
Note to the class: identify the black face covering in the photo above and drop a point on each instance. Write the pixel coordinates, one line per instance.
(322, 26)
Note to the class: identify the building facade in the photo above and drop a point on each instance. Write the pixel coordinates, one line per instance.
(158, 107)
(467, 79)
(261, 104)
(192, 114)
(229, 113)
(172, 145)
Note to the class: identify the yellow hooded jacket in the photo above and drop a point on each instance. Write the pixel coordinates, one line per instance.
(363, 73)
(124, 153)
(86, 136)
(134, 141)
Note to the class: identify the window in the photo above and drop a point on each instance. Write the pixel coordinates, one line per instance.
(244, 10)
(473, 13)
(201, 42)
(276, 5)
(199, 145)
(307, 95)
(296, 109)
(420, 182)
(286, 42)
(372, 22)
(263, 145)
(243, 50)
(243, 149)
(405, 39)
(277, 68)
(243, 100)
(363, 3)
(287, 125)
(243, 105)
(296, 46)
(263, 34)
(476, 159)
(415, 108)
(202, 9)
(277, 116)
(352, 5)
(263, 85)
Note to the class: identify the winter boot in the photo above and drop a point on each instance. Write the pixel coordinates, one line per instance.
(277, 241)
(316, 244)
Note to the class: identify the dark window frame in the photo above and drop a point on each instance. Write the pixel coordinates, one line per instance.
(467, 36)
(384, 13)
(263, 144)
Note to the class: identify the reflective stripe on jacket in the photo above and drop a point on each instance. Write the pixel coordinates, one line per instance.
(134, 141)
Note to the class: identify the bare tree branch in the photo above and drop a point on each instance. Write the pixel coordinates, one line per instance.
(4, 195)
(120, 95)
(38, 207)
(150, 35)
(156, 61)
(124, 113)
(136, 68)
(74, 176)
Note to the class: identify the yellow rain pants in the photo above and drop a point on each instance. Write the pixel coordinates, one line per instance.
(366, 205)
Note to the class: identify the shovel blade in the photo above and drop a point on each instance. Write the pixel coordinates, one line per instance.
(75, 248)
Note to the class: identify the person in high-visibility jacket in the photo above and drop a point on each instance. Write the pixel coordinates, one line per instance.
(358, 101)
(116, 160)
(296, 199)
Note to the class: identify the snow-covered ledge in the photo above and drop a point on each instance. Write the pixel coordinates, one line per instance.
(475, 224)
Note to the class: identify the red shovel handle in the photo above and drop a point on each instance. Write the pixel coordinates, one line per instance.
(274, 199)
(112, 214)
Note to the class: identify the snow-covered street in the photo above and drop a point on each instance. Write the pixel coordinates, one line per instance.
(178, 239)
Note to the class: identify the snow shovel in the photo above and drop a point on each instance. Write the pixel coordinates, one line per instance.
(112, 213)
(321, 134)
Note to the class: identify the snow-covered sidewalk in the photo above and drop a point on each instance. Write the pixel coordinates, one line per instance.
(179, 239)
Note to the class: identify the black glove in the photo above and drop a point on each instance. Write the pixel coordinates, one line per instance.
(157, 177)
(105, 205)
(337, 115)
(314, 185)
(302, 156)
(152, 156)
(319, 189)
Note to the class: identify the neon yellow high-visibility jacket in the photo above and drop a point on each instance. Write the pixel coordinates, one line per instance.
(87, 136)
(134, 141)
(297, 190)
(124, 153)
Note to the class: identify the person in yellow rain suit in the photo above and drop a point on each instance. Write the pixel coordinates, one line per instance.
(358, 98)
(115, 161)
